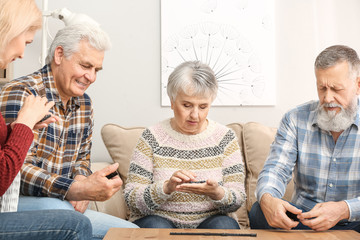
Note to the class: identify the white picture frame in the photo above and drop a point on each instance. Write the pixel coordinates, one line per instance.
(234, 37)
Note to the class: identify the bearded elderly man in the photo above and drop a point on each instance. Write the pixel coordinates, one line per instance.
(319, 144)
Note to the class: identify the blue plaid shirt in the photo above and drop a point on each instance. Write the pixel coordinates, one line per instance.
(323, 171)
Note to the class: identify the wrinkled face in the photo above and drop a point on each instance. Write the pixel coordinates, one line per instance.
(16, 47)
(335, 87)
(190, 113)
(74, 75)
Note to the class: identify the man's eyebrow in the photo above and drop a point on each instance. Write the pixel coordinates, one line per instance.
(91, 65)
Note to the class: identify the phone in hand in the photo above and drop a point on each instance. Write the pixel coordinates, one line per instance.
(47, 116)
(111, 175)
(203, 181)
(292, 216)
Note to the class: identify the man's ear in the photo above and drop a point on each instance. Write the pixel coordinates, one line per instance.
(358, 85)
(172, 105)
(58, 55)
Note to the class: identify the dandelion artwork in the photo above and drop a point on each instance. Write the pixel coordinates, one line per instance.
(234, 37)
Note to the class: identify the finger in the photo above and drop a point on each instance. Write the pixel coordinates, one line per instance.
(313, 213)
(314, 223)
(183, 177)
(288, 224)
(175, 179)
(292, 208)
(109, 169)
(188, 173)
(49, 105)
(40, 125)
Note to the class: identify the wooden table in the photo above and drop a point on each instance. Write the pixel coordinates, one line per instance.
(154, 233)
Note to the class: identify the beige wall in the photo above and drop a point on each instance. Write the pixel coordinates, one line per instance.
(127, 91)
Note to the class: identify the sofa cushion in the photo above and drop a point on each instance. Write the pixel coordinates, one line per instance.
(120, 143)
(241, 213)
(257, 139)
(116, 205)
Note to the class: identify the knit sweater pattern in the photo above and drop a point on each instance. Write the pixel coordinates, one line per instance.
(161, 151)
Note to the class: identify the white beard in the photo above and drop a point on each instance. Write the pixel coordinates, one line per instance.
(330, 121)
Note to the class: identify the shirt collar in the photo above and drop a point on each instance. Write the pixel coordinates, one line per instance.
(52, 93)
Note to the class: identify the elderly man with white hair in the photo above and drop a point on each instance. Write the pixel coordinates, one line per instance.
(56, 173)
(318, 143)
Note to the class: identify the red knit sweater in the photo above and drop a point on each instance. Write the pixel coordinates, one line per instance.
(14, 144)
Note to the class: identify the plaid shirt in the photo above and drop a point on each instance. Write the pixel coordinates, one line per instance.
(323, 171)
(62, 150)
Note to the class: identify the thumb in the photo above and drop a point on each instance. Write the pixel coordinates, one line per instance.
(292, 208)
(109, 169)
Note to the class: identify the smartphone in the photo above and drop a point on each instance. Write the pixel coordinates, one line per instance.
(292, 216)
(111, 175)
(203, 181)
(45, 117)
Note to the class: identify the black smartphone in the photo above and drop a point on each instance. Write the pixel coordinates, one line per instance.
(111, 175)
(292, 216)
(197, 181)
(45, 117)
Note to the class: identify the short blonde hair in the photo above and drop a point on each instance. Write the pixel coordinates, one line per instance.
(16, 17)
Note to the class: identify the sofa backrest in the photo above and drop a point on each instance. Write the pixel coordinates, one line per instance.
(254, 140)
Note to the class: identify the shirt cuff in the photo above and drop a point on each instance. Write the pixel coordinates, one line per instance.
(354, 209)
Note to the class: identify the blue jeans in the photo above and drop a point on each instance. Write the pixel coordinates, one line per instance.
(46, 224)
(213, 222)
(258, 221)
(100, 222)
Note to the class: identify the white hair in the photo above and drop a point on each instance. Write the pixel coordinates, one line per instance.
(69, 38)
(192, 76)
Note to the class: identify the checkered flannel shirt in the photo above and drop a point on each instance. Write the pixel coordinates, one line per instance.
(62, 150)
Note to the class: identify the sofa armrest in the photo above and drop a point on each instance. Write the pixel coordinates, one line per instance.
(116, 205)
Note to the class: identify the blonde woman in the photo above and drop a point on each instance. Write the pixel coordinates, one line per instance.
(19, 21)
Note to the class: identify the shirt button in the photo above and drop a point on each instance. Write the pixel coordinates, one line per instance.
(331, 185)
(334, 160)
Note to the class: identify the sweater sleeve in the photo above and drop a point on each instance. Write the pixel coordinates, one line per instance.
(142, 194)
(13, 152)
(233, 177)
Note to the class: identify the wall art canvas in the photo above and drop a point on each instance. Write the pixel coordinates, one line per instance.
(234, 37)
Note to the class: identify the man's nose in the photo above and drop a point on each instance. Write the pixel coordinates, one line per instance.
(329, 97)
(91, 76)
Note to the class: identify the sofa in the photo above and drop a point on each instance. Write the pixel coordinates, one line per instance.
(254, 140)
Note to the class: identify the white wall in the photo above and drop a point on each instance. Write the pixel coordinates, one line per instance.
(127, 91)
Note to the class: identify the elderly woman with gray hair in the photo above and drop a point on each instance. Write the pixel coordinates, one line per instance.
(187, 171)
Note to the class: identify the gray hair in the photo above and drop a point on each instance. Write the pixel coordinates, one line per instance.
(336, 54)
(192, 76)
(69, 38)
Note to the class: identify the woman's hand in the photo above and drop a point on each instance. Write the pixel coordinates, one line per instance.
(33, 110)
(209, 188)
(178, 177)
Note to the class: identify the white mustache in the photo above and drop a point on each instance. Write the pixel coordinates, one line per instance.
(332, 105)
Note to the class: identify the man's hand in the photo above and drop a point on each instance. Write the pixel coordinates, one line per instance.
(325, 215)
(95, 187)
(80, 206)
(274, 210)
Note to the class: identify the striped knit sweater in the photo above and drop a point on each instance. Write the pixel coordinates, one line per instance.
(214, 153)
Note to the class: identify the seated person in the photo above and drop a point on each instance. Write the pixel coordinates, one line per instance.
(187, 171)
(319, 143)
(56, 173)
(19, 21)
